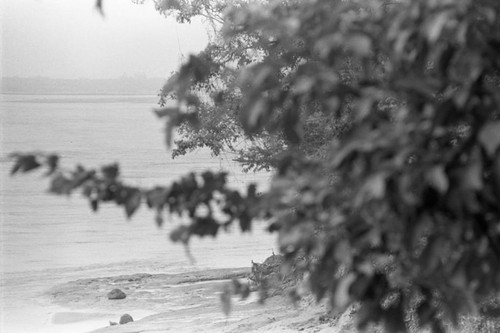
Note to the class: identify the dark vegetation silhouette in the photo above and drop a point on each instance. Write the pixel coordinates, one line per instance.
(381, 123)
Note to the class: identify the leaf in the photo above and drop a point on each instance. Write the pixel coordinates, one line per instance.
(471, 174)
(52, 162)
(394, 319)
(437, 178)
(343, 252)
(94, 204)
(419, 230)
(435, 25)
(496, 172)
(425, 313)
(363, 108)
(98, 6)
(192, 100)
(401, 41)
(437, 326)
(303, 85)
(367, 313)
(325, 46)
(225, 298)
(489, 137)
(432, 255)
(359, 287)
(421, 85)
(110, 193)
(15, 168)
(159, 218)
(165, 5)
(132, 201)
(181, 233)
(360, 140)
(25, 163)
(237, 285)
(60, 185)
(191, 118)
(260, 76)
(157, 197)
(445, 60)
(292, 126)
(111, 171)
(170, 85)
(342, 299)
(292, 239)
(198, 66)
(166, 112)
(80, 176)
(245, 221)
(245, 291)
(204, 226)
(360, 45)
(255, 115)
(459, 278)
(169, 132)
(374, 188)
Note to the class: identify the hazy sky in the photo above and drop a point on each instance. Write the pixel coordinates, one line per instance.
(69, 39)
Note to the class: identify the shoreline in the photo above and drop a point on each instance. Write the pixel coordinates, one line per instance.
(183, 302)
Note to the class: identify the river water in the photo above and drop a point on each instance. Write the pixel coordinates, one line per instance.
(46, 240)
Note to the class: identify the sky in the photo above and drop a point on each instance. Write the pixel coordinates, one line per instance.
(69, 39)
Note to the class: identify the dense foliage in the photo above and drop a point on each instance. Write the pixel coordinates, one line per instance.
(401, 210)
(218, 99)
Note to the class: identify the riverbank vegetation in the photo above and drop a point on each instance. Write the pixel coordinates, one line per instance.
(381, 123)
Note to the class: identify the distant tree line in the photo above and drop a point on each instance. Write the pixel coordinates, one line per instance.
(43, 85)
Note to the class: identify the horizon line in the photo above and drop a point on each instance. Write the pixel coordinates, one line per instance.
(124, 76)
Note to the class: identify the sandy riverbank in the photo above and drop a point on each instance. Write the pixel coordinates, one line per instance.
(186, 302)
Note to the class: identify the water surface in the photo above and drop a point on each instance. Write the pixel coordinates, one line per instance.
(47, 239)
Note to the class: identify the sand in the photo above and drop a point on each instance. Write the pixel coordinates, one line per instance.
(187, 302)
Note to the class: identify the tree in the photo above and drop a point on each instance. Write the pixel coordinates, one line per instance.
(401, 212)
(218, 126)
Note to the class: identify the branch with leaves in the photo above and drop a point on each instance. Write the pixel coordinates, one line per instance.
(204, 199)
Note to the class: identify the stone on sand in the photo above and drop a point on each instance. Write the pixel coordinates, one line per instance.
(126, 318)
(116, 294)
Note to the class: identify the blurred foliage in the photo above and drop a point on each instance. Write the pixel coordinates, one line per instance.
(399, 205)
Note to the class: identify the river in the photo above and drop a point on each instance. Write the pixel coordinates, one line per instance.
(46, 240)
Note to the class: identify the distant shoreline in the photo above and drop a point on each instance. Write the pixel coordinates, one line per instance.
(79, 94)
(138, 85)
(81, 98)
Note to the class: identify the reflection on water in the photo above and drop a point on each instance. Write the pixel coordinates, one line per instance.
(48, 240)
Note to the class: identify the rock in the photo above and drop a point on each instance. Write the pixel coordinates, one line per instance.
(126, 318)
(116, 294)
(266, 276)
(275, 276)
(112, 323)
